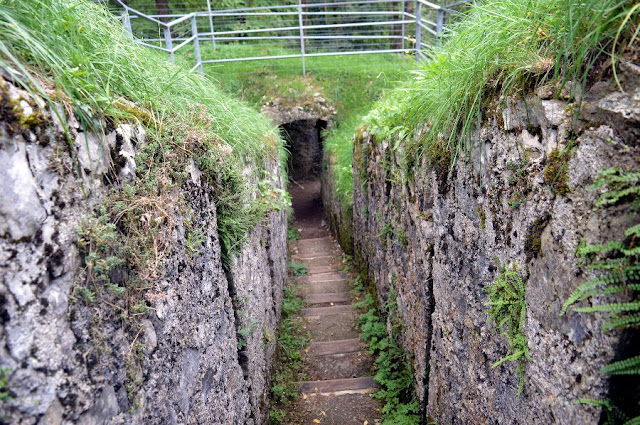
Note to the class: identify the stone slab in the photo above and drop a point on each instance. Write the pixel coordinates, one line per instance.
(361, 384)
(336, 347)
(335, 297)
(327, 311)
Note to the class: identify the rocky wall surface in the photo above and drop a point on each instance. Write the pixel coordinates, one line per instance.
(206, 343)
(437, 236)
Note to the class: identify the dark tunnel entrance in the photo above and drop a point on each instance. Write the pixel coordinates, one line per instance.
(304, 141)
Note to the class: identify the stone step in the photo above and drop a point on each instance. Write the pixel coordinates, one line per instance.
(364, 384)
(307, 251)
(323, 269)
(326, 298)
(341, 409)
(327, 311)
(336, 347)
(323, 260)
(342, 285)
(333, 327)
(323, 277)
(314, 241)
(338, 366)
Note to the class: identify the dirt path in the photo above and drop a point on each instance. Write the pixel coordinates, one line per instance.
(338, 366)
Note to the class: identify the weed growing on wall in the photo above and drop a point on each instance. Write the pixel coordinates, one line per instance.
(615, 284)
(508, 310)
(394, 372)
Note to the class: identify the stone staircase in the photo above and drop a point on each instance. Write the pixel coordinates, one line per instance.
(338, 365)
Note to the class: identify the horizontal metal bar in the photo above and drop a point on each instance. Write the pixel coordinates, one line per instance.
(429, 4)
(355, 24)
(370, 12)
(256, 58)
(311, 27)
(362, 52)
(225, 13)
(307, 37)
(422, 20)
(255, 30)
(185, 42)
(127, 9)
(327, 13)
(287, 6)
(177, 21)
(154, 47)
(195, 67)
(426, 28)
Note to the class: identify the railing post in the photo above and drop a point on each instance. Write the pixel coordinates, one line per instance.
(301, 24)
(418, 29)
(403, 4)
(168, 43)
(213, 38)
(439, 25)
(126, 21)
(196, 42)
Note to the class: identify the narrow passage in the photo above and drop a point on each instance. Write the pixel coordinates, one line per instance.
(338, 365)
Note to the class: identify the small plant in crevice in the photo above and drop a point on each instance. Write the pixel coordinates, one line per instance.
(195, 236)
(291, 340)
(293, 234)
(394, 371)
(556, 169)
(508, 310)
(615, 282)
(5, 394)
(518, 181)
(245, 331)
(388, 230)
(533, 241)
(298, 269)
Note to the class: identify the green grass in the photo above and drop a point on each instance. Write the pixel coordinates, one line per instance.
(87, 55)
(502, 48)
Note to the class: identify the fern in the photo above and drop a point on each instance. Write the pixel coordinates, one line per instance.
(630, 366)
(394, 373)
(508, 309)
(618, 272)
(621, 322)
(613, 414)
(611, 308)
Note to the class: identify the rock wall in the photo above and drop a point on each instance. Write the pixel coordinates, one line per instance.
(207, 343)
(438, 237)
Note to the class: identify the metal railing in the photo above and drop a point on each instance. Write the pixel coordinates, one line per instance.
(294, 31)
